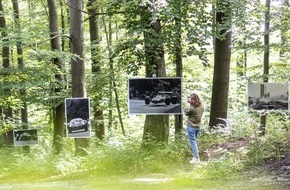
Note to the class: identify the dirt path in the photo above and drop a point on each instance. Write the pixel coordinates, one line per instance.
(281, 169)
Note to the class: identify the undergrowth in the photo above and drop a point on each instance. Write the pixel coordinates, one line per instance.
(118, 155)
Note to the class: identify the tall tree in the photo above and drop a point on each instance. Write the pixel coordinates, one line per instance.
(77, 61)
(63, 23)
(24, 111)
(156, 128)
(58, 110)
(222, 60)
(284, 29)
(93, 11)
(113, 85)
(7, 111)
(266, 61)
(178, 123)
(266, 42)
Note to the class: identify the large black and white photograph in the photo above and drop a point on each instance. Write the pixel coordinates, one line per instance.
(155, 96)
(268, 96)
(25, 137)
(77, 111)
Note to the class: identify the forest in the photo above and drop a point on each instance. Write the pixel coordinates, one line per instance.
(92, 94)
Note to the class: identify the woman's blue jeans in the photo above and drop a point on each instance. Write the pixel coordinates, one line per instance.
(192, 136)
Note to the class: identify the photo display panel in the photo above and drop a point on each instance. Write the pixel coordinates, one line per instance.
(77, 112)
(25, 137)
(155, 96)
(268, 96)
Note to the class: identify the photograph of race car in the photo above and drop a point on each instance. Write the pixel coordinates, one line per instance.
(77, 112)
(166, 97)
(25, 137)
(155, 96)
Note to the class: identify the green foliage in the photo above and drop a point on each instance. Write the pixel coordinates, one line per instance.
(36, 82)
(274, 145)
(114, 156)
(118, 155)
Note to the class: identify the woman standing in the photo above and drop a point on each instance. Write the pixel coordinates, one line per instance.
(194, 111)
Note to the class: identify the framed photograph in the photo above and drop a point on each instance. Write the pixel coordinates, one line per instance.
(268, 96)
(155, 96)
(25, 137)
(77, 112)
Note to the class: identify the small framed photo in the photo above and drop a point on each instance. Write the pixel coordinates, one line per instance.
(268, 96)
(77, 112)
(155, 96)
(25, 137)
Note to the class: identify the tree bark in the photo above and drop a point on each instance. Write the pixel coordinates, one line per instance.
(156, 127)
(96, 65)
(222, 60)
(8, 112)
(178, 122)
(266, 42)
(58, 116)
(77, 61)
(23, 111)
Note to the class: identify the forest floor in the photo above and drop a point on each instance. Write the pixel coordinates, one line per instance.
(279, 169)
(275, 174)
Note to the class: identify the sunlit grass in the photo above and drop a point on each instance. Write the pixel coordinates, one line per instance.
(118, 163)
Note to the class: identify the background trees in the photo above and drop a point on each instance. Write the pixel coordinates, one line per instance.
(58, 108)
(114, 40)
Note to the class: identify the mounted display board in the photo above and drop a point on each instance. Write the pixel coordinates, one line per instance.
(155, 96)
(77, 112)
(25, 137)
(268, 96)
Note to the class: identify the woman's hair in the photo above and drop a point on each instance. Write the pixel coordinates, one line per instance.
(195, 100)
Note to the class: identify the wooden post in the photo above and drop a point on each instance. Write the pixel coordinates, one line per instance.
(263, 119)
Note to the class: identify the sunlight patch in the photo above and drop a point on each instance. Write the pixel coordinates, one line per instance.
(152, 179)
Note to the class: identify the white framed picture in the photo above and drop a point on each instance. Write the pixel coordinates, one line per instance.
(268, 96)
(77, 113)
(155, 96)
(25, 137)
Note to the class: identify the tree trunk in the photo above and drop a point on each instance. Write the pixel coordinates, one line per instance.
(62, 16)
(266, 42)
(58, 116)
(77, 61)
(222, 59)
(96, 66)
(178, 122)
(284, 37)
(156, 127)
(266, 62)
(8, 113)
(4, 34)
(24, 111)
(112, 75)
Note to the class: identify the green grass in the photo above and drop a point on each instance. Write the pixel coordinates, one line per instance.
(118, 164)
(117, 169)
(171, 181)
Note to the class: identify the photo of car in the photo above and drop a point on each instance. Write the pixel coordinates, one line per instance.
(77, 124)
(166, 97)
(77, 113)
(24, 137)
